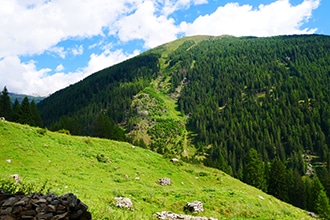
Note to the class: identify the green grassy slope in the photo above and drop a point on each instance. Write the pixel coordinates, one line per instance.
(70, 164)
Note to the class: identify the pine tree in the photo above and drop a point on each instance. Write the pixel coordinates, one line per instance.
(25, 116)
(102, 126)
(16, 111)
(5, 105)
(253, 172)
(320, 201)
(35, 114)
(322, 206)
(296, 189)
(278, 181)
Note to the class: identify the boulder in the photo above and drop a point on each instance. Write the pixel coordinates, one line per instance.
(173, 216)
(195, 206)
(123, 202)
(164, 181)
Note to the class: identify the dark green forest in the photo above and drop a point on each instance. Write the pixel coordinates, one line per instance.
(268, 94)
(24, 112)
(257, 108)
(108, 92)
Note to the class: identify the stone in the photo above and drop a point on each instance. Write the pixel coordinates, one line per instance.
(195, 206)
(123, 202)
(174, 160)
(164, 181)
(38, 206)
(173, 216)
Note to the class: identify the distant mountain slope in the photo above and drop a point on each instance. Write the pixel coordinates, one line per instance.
(98, 170)
(20, 97)
(205, 79)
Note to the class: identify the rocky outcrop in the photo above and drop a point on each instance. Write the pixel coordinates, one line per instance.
(39, 206)
(173, 216)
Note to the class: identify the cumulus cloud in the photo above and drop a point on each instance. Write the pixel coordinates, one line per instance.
(34, 27)
(26, 78)
(77, 50)
(146, 25)
(59, 68)
(277, 18)
(105, 59)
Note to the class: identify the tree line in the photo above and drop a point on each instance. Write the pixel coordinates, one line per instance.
(25, 112)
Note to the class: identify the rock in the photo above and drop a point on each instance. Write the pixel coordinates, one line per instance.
(38, 206)
(173, 216)
(174, 160)
(195, 206)
(312, 214)
(123, 202)
(261, 197)
(16, 177)
(164, 181)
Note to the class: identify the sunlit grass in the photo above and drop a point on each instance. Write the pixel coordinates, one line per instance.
(72, 164)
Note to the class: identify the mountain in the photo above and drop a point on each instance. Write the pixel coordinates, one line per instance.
(20, 97)
(213, 100)
(98, 170)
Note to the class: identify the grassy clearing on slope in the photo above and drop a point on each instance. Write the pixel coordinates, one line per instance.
(97, 170)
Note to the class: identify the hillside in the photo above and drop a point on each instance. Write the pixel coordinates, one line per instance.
(234, 103)
(97, 170)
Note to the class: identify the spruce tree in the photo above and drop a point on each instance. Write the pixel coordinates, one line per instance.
(102, 127)
(278, 181)
(322, 206)
(5, 105)
(35, 114)
(16, 111)
(253, 172)
(25, 116)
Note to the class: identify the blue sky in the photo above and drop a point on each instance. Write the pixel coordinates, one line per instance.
(47, 45)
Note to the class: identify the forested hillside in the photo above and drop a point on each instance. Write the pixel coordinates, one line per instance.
(216, 99)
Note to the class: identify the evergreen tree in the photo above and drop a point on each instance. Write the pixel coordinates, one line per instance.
(16, 111)
(296, 189)
(5, 105)
(105, 127)
(25, 116)
(322, 206)
(253, 172)
(35, 114)
(278, 181)
(320, 201)
(71, 124)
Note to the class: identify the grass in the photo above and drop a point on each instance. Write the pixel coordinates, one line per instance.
(97, 170)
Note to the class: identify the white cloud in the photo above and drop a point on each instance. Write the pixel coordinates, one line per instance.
(277, 18)
(169, 6)
(106, 59)
(144, 24)
(59, 68)
(78, 50)
(33, 27)
(59, 51)
(25, 78)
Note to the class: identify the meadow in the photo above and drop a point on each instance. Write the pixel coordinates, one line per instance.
(97, 170)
